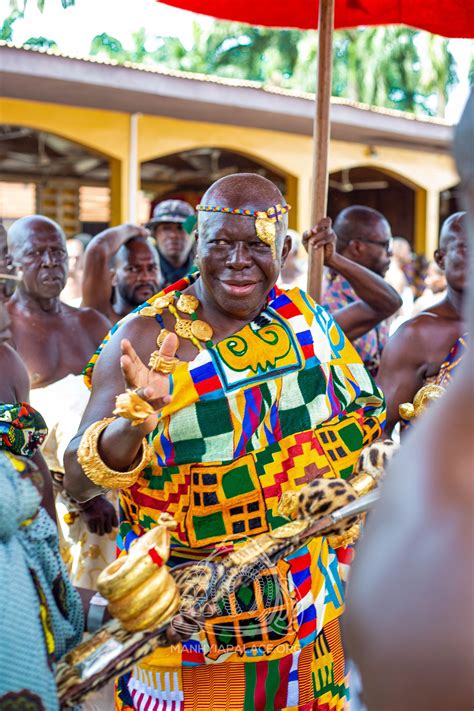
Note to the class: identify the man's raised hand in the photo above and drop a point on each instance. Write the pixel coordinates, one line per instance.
(322, 236)
(151, 386)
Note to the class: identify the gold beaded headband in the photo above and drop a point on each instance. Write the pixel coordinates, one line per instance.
(265, 220)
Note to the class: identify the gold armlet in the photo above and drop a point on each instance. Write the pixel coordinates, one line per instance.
(96, 470)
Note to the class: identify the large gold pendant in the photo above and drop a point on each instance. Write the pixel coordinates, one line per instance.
(149, 311)
(183, 328)
(187, 303)
(162, 302)
(161, 337)
(201, 330)
(157, 306)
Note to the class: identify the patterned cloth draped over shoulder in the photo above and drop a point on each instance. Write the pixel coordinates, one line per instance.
(42, 615)
(22, 428)
(338, 294)
(453, 360)
(266, 410)
(445, 373)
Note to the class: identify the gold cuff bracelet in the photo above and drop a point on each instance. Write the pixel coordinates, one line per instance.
(97, 471)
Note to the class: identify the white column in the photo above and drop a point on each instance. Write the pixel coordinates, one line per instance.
(133, 169)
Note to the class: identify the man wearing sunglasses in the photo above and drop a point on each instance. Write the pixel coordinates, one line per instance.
(363, 236)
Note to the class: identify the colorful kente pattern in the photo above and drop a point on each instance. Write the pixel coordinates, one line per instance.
(22, 428)
(281, 402)
(454, 359)
(338, 294)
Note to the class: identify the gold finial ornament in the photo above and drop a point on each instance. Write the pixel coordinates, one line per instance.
(141, 592)
(133, 407)
(162, 364)
(288, 504)
(425, 395)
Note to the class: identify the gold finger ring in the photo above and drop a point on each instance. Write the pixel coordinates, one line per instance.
(133, 407)
(162, 364)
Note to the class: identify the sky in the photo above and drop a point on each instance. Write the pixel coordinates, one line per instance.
(74, 28)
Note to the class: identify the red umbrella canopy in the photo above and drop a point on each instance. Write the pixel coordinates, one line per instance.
(451, 18)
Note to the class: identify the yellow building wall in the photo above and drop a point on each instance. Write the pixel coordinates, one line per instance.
(108, 133)
(102, 132)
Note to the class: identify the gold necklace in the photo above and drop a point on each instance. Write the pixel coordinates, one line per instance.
(192, 329)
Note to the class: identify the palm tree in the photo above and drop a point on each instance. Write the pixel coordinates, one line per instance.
(439, 75)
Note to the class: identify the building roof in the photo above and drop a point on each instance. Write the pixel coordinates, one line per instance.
(48, 75)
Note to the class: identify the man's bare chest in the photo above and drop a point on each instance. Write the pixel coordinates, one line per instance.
(438, 344)
(52, 350)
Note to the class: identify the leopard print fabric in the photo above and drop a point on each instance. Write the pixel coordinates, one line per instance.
(323, 496)
(375, 459)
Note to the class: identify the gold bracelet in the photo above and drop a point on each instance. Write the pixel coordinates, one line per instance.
(97, 471)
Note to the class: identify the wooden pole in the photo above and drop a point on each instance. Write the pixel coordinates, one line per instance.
(321, 138)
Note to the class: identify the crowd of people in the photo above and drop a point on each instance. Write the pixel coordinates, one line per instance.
(171, 369)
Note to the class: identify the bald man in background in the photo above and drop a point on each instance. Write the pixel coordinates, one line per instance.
(364, 236)
(55, 342)
(426, 348)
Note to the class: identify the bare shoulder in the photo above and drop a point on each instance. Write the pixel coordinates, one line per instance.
(89, 319)
(140, 331)
(416, 330)
(107, 378)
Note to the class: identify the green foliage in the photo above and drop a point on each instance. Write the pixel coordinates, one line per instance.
(394, 67)
(6, 29)
(108, 47)
(42, 42)
(19, 6)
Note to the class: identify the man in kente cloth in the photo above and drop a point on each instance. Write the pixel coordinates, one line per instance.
(252, 392)
(429, 347)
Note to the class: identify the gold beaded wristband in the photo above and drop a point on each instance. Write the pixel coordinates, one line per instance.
(96, 470)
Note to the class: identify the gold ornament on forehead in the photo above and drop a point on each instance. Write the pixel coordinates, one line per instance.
(265, 220)
(266, 231)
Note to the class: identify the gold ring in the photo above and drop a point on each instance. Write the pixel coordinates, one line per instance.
(133, 407)
(162, 364)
